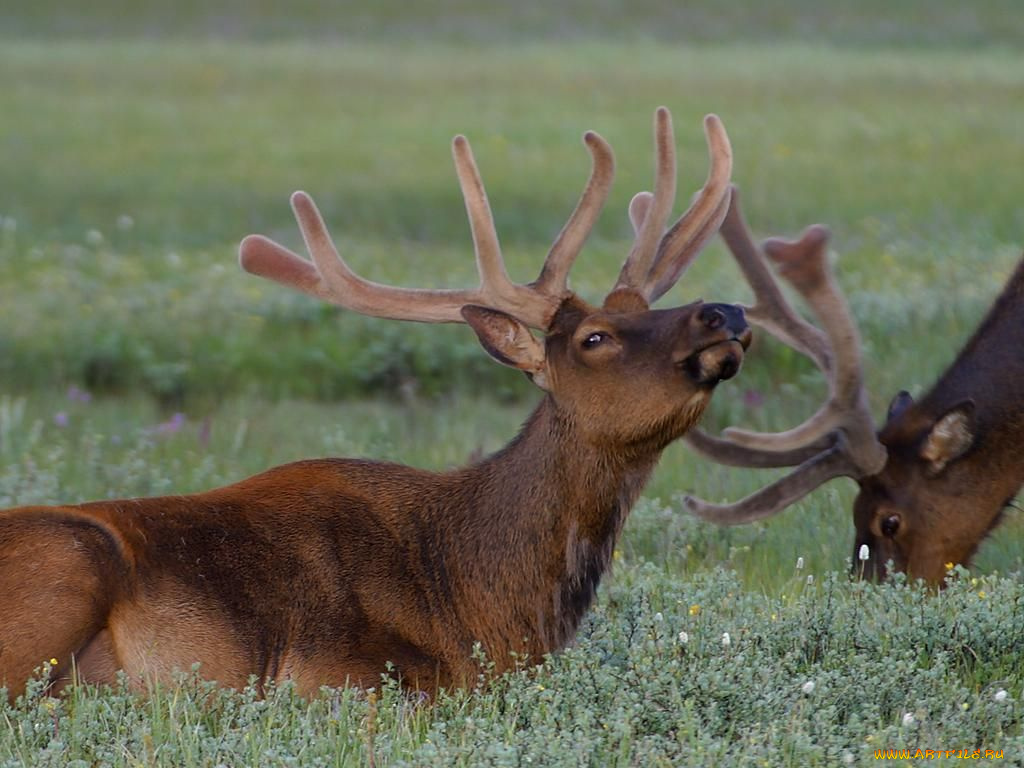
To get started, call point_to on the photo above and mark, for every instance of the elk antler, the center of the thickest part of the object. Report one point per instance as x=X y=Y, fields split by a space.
x=839 y=439
x=328 y=277
x=658 y=258
x=654 y=263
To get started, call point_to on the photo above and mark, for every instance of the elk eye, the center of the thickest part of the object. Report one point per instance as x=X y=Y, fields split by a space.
x=594 y=339
x=890 y=525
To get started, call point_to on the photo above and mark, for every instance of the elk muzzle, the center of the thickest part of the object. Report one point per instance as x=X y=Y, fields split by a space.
x=728 y=338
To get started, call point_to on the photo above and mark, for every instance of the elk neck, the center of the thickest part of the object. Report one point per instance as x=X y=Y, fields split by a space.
x=541 y=521
x=990 y=370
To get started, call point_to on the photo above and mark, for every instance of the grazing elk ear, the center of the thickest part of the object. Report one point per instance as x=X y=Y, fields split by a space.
x=949 y=437
x=899 y=404
x=508 y=341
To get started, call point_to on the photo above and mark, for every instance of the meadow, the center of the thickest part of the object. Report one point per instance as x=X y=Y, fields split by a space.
x=137 y=148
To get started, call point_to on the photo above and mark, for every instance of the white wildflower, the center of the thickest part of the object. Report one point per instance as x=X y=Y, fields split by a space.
x=799 y=563
x=864 y=553
x=1000 y=695
x=810 y=579
x=94 y=237
x=125 y=222
x=658 y=616
x=726 y=640
x=908 y=719
x=808 y=687
x=684 y=638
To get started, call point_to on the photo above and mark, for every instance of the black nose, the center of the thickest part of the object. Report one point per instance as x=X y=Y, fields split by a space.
x=728 y=316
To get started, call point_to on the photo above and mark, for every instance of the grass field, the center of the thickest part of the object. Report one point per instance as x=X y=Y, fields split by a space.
x=137 y=147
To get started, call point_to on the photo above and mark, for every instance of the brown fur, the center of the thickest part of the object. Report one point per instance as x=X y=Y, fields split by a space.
x=954 y=458
x=325 y=571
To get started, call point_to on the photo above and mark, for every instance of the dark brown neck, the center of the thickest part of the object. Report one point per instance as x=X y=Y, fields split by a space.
x=990 y=368
x=545 y=514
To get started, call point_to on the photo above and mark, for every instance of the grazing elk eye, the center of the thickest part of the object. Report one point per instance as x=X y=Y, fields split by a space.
x=594 y=339
x=890 y=525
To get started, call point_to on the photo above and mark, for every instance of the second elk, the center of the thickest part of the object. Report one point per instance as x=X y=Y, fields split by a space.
x=935 y=479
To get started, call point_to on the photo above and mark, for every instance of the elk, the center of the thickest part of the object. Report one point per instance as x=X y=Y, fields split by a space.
x=336 y=571
x=934 y=480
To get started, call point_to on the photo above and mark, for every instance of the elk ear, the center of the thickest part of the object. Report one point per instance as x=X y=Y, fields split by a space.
x=899 y=404
x=508 y=341
x=950 y=437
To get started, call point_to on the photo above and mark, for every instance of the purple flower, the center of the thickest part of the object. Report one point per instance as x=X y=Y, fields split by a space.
x=172 y=425
x=60 y=418
x=753 y=399
x=77 y=395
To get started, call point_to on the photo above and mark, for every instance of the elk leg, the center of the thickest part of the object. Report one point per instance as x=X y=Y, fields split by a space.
x=55 y=592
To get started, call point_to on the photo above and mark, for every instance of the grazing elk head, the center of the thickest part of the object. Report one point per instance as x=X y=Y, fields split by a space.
x=625 y=372
x=934 y=480
x=921 y=512
x=954 y=459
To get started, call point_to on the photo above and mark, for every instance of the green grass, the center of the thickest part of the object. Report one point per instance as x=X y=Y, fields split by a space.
x=138 y=146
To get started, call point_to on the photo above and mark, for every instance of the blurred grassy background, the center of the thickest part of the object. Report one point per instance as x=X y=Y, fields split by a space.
x=141 y=141
x=865 y=23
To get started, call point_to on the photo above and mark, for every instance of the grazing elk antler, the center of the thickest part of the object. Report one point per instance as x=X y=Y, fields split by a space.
x=334 y=571
x=839 y=439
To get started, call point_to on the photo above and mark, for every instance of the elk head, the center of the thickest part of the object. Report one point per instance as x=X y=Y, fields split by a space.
x=921 y=511
x=626 y=373
x=954 y=459
x=934 y=479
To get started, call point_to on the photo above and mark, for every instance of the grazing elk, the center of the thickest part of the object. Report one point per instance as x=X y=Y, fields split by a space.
x=324 y=572
x=937 y=476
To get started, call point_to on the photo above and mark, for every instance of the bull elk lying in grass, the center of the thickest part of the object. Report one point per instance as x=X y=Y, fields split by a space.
x=323 y=572
x=936 y=478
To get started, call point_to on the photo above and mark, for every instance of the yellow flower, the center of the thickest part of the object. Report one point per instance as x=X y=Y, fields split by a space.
x=949 y=566
x=694 y=609
x=53 y=662
x=981 y=593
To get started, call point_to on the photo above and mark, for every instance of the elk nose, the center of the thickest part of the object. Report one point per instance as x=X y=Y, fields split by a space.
x=712 y=316
x=725 y=316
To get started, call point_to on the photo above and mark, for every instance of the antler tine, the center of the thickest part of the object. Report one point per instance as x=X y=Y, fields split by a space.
x=731 y=454
x=554 y=275
x=637 y=265
x=261 y=256
x=329 y=278
x=772 y=499
x=493 y=277
x=770 y=310
x=691 y=232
